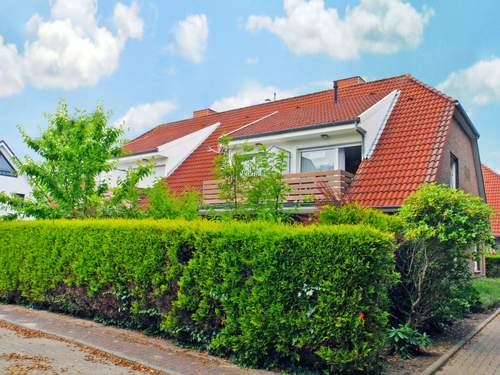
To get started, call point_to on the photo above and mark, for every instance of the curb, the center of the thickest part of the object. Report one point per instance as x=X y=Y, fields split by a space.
x=432 y=369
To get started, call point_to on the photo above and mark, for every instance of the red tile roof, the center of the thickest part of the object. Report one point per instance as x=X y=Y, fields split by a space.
x=312 y=115
x=407 y=154
x=492 y=189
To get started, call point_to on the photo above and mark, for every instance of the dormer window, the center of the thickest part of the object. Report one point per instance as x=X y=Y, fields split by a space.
x=453 y=171
x=6 y=169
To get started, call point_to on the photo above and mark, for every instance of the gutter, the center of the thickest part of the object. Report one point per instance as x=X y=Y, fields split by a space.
x=475 y=147
x=354 y=121
x=467 y=118
x=145 y=152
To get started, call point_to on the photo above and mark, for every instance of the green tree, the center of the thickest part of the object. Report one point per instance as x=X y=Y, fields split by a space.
x=267 y=187
x=75 y=151
x=231 y=168
x=162 y=203
x=441 y=226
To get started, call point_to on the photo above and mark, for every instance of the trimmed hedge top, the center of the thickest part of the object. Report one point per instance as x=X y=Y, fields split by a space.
x=267 y=295
x=354 y=214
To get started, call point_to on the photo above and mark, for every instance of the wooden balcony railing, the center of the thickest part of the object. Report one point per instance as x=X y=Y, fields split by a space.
x=322 y=187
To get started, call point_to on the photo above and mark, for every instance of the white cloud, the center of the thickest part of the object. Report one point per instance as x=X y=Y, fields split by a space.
x=147 y=115
x=11 y=77
x=191 y=35
x=252 y=93
x=127 y=21
x=70 y=49
x=372 y=26
x=478 y=84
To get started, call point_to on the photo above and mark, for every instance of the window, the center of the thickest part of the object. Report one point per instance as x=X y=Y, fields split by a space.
x=352 y=157
x=317 y=160
x=477 y=261
x=6 y=168
x=453 y=171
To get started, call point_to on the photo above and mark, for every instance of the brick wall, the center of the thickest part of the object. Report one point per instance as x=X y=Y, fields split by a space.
x=460 y=145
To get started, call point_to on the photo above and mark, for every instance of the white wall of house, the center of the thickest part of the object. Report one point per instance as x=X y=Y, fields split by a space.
x=374 y=119
x=319 y=139
x=10 y=181
x=166 y=157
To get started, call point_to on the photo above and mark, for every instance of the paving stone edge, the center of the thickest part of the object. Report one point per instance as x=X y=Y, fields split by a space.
x=441 y=361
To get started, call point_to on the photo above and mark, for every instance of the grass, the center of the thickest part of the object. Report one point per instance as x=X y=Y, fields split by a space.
x=489 y=291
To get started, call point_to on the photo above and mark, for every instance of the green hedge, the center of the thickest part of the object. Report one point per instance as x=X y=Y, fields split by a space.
x=493 y=265
x=265 y=295
x=354 y=214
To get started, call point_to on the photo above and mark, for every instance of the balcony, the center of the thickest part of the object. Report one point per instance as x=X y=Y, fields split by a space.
x=308 y=190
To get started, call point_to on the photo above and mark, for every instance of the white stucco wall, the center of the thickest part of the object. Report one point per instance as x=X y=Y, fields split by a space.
x=296 y=142
x=373 y=121
x=12 y=184
x=166 y=158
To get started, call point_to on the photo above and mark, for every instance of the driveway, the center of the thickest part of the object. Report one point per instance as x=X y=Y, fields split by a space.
x=480 y=356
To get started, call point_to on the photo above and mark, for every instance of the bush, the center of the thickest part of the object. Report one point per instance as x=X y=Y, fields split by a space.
x=489 y=291
x=354 y=214
x=440 y=226
x=406 y=341
x=308 y=296
x=162 y=203
x=264 y=294
x=493 y=265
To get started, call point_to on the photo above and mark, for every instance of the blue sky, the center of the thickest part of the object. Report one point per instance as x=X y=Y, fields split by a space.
x=156 y=61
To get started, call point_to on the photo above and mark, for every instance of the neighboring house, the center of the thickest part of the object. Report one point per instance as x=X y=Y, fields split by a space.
x=492 y=188
x=392 y=134
x=10 y=181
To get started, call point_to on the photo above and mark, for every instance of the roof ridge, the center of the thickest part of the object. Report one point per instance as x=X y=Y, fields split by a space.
x=489 y=169
x=431 y=88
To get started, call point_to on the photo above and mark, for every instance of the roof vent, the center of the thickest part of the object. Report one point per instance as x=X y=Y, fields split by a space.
x=203 y=112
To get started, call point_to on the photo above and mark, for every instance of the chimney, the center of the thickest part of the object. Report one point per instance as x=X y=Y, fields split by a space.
x=345 y=82
x=335 y=91
x=203 y=112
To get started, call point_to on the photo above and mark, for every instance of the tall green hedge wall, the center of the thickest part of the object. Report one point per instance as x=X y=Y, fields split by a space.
x=493 y=265
x=265 y=295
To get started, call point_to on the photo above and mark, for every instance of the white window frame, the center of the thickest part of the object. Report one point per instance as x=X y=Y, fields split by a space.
x=476 y=263
x=334 y=148
x=454 y=177
x=339 y=161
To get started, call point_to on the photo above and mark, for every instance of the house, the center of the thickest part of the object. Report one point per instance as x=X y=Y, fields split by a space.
x=372 y=143
x=492 y=188
x=10 y=181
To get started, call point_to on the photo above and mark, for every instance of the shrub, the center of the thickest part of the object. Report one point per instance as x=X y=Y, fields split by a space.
x=264 y=294
x=406 y=341
x=493 y=265
x=489 y=291
x=440 y=225
x=310 y=296
x=354 y=214
x=162 y=203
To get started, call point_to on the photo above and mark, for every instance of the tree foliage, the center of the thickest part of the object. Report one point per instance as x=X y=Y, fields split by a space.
x=441 y=226
x=74 y=152
x=253 y=182
x=162 y=203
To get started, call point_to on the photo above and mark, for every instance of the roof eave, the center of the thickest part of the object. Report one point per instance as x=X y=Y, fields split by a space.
x=354 y=121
